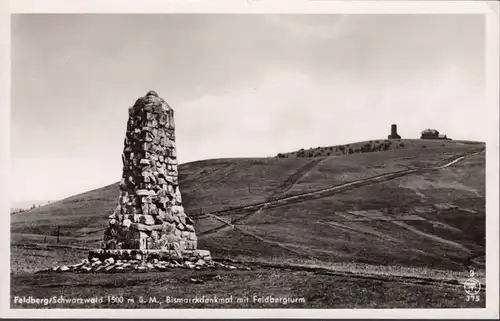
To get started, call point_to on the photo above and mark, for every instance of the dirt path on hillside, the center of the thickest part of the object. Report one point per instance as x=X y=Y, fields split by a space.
x=294 y=178
x=283 y=188
x=343 y=187
x=339 y=188
x=277 y=193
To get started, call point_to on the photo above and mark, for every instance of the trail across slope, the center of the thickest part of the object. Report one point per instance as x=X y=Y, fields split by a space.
x=342 y=187
x=276 y=195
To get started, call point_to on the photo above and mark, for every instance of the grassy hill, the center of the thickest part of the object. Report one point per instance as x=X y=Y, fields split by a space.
x=306 y=227
x=387 y=212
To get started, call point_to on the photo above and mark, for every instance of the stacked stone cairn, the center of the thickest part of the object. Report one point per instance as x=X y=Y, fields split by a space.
x=150 y=215
x=148 y=230
x=149 y=222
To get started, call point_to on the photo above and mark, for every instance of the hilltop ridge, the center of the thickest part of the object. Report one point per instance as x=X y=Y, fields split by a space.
x=375 y=145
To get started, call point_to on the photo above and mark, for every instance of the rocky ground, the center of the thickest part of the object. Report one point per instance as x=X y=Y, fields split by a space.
x=110 y=265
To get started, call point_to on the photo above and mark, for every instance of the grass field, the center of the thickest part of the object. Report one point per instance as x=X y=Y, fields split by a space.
x=430 y=223
x=317 y=290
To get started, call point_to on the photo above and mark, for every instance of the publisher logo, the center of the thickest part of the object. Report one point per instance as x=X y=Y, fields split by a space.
x=472 y=286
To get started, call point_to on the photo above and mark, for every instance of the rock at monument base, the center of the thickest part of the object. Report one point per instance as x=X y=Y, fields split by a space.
x=149 y=255
x=104 y=262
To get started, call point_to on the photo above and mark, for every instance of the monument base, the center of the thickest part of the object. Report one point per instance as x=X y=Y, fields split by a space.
x=150 y=255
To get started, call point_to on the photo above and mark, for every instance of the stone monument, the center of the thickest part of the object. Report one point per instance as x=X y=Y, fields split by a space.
x=149 y=220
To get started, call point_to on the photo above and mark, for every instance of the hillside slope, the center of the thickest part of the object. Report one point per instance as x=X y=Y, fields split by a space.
x=430 y=218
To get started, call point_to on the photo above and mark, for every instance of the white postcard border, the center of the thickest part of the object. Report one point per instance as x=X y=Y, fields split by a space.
x=490 y=10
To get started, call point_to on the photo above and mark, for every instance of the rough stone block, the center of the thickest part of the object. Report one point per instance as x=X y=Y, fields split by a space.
x=145 y=219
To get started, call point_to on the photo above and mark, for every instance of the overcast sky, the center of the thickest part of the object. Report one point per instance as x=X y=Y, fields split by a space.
x=240 y=85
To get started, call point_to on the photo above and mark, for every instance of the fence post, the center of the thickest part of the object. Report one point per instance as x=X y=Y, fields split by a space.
x=58 y=230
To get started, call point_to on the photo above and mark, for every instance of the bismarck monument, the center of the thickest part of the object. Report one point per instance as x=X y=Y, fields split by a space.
x=149 y=221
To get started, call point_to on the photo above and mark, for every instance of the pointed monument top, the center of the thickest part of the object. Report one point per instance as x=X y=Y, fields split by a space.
x=152 y=93
x=151 y=100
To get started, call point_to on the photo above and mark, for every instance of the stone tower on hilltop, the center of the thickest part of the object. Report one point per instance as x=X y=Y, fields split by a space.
x=150 y=215
x=394 y=132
